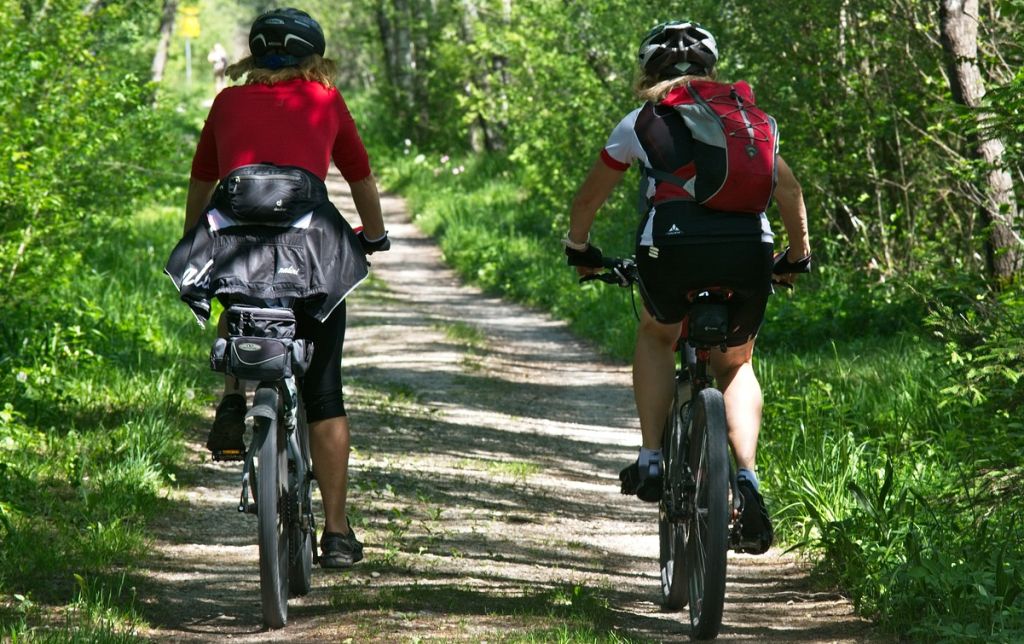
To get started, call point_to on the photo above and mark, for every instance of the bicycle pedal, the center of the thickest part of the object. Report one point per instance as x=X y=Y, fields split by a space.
x=228 y=455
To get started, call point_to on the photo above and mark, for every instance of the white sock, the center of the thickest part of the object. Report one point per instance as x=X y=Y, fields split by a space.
x=744 y=473
x=650 y=461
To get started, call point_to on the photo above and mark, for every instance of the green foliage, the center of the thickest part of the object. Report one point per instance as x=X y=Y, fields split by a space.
x=92 y=385
x=887 y=159
x=98 y=379
x=900 y=487
x=96 y=616
x=81 y=139
x=984 y=345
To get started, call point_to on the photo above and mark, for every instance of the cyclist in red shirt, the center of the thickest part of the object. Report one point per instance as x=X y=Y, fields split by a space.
x=288 y=113
x=682 y=245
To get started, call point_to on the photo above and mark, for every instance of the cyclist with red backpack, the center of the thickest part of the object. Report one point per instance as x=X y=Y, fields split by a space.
x=710 y=167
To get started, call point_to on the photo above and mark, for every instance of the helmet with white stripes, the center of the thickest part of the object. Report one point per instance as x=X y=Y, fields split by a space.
x=677 y=48
x=286 y=32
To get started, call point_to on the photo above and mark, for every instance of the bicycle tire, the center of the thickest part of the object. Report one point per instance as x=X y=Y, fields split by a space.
x=708 y=541
x=271 y=511
x=675 y=590
x=300 y=540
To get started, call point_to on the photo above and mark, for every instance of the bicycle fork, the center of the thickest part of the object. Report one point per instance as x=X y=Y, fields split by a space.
x=300 y=493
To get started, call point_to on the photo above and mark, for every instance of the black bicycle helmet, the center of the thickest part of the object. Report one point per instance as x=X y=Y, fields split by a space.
x=286 y=32
x=678 y=48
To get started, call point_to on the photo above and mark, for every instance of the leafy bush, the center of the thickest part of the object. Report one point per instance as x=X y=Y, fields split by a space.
x=93 y=383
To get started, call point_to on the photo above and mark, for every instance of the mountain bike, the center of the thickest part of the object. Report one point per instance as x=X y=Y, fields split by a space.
x=277 y=470
x=699 y=510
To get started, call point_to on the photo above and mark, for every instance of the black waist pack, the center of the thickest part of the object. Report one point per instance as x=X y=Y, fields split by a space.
x=268 y=193
x=261 y=345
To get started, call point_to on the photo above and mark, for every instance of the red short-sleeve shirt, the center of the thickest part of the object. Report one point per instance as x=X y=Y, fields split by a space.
x=296 y=122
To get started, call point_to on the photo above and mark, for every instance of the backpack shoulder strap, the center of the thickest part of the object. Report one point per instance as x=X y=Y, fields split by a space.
x=661 y=175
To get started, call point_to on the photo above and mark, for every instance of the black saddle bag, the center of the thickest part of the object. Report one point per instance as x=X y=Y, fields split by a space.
x=268 y=193
x=261 y=345
x=709 y=324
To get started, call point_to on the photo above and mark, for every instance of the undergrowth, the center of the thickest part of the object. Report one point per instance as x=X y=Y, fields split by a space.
x=99 y=379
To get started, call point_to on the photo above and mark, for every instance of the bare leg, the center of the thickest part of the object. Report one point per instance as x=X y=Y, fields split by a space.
x=329 y=443
x=653 y=370
x=734 y=373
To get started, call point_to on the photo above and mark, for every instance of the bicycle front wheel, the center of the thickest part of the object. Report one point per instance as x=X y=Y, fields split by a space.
x=675 y=591
x=708 y=541
x=271 y=510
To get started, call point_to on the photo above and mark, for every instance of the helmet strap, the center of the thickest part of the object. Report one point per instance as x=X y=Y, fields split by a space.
x=276 y=60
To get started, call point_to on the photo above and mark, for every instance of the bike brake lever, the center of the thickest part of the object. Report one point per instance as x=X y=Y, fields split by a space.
x=621 y=277
x=604 y=277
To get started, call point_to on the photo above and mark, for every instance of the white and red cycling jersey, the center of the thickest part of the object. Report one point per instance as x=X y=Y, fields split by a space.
x=656 y=136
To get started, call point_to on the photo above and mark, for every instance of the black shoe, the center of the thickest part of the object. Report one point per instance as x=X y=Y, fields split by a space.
x=226 y=441
x=647 y=488
x=756 y=534
x=340 y=550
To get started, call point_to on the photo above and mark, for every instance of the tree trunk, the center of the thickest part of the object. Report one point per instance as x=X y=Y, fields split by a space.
x=164 y=44
x=393 y=19
x=478 y=126
x=959 y=23
x=486 y=131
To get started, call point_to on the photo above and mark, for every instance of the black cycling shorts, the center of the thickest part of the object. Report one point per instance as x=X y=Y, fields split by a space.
x=321 y=386
x=743 y=266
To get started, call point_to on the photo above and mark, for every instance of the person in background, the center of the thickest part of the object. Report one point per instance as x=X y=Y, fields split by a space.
x=218 y=57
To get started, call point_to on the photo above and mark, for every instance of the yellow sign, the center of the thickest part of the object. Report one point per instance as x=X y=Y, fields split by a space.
x=188 y=21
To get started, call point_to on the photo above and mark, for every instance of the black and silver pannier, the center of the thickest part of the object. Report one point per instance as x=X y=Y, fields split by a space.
x=261 y=345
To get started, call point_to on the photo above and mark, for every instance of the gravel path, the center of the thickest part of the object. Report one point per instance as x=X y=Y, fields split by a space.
x=487 y=441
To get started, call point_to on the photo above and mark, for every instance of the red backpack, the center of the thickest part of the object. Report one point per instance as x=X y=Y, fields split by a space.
x=735 y=145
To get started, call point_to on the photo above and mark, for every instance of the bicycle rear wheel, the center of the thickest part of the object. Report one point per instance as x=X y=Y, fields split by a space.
x=272 y=514
x=300 y=515
x=708 y=541
x=672 y=525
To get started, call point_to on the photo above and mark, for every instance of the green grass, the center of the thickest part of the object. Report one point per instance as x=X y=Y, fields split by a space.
x=516 y=469
x=465 y=334
x=101 y=613
x=104 y=374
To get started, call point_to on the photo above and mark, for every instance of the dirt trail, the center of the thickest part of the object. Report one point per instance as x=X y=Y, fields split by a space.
x=484 y=484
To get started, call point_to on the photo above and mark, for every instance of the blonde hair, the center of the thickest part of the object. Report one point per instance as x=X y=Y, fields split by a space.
x=649 y=88
x=312 y=68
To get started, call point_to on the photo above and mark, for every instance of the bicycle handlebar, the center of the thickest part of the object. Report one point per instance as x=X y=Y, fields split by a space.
x=621 y=271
